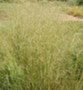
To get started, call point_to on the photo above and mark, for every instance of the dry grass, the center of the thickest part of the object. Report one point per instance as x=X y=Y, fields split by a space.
x=76 y=11
x=38 y=51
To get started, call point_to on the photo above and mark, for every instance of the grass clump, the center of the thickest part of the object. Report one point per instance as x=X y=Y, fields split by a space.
x=76 y=11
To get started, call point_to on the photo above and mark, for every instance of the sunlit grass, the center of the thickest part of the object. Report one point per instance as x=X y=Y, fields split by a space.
x=38 y=51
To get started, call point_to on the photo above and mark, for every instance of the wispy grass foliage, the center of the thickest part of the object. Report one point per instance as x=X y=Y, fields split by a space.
x=38 y=51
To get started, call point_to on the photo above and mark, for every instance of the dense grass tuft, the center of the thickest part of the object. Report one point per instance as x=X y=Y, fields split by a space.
x=76 y=11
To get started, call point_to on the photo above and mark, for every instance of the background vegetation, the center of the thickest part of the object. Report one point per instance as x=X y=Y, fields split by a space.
x=78 y=2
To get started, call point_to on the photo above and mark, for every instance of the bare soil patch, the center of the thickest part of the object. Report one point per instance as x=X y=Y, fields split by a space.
x=65 y=17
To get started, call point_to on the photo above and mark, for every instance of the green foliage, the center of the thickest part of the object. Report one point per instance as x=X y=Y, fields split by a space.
x=75 y=2
x=79 y=2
